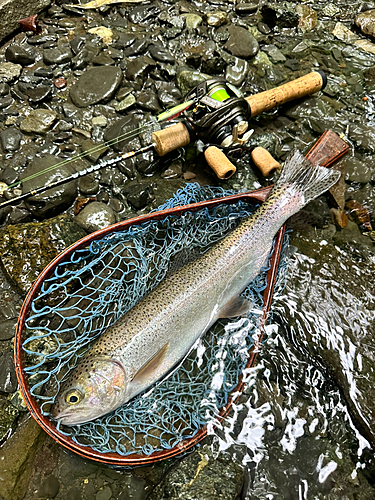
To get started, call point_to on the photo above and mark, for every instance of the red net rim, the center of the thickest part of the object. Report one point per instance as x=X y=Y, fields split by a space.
x=116 y=459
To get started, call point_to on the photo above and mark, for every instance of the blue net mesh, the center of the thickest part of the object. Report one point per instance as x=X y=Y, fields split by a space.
x=98 y=284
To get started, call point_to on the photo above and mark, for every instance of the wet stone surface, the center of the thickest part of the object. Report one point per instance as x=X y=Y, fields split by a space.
x=81 y=77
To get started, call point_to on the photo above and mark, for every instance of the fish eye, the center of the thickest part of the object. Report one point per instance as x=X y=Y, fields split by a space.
x=73 y=397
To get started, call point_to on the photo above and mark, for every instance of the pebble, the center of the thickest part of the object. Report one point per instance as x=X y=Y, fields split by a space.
x=137 y=67
x=241 y=43
x=99 y=121
x=8 y=379
x=9 y=175
x=236 y=72
x=49 y=488
x=58 y=55
x=192 y=21
x=87 y=91
x=169 y=95
x=366 y=22
x=160 y=53
x=10 y=139
x=4 y=89
x=142 y=13
x=246 y=7
x=38 y=94
x=38 y=121
x=147 y=99
x=125 y=103
x=59 y=83
x=95 y=216
x=9 y=71
x=104 y=494
x=19 y=55
x=6 y=101
x=138 y=196
x=88 y=184
x=217 y=18
x=7 y=329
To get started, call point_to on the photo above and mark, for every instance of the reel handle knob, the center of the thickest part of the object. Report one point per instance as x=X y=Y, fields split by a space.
x=170 y=138
x=219 y=163
x=264 y=161
x=301 y=87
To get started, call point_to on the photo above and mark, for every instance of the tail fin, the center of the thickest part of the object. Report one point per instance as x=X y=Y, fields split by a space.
x=306 y=178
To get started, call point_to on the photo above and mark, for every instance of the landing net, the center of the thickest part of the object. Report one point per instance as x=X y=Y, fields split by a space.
x=87 y=294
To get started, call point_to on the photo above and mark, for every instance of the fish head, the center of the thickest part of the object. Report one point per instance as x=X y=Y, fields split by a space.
x=96 y=387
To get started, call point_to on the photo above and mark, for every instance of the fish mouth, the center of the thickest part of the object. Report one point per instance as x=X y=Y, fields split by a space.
x=68 y=417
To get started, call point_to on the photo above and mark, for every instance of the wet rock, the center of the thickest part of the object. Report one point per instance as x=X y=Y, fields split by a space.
x=6 y=101
x=169 y=95
x=125 y=103
x=147 y=99
x=274 y=53
x=103 y=60
x=54 y=200
x=8 y=419
x=104 y=494
x=192 y=21
x=343 y=33
x=9 y=71
x=25 y=249
x=308 y=18
x=318 y=114
x=7 y=328
x=44 y=38
x=119 y=128
x=137 y=67
x=246 y=7
x=160 y=53
x=11 y=12
x=236 y=72
x=366 y=22
x=138 y=196
x=19 y=55
x=4 y=89
x=241 y=43
x=363 y=136
x=216 y=18
x=357 y=170
x=143 y=13
x=49 y=488
x=38 y=94
x=38 y=121
x=87 y=91
x=137 y=48
x=8 y=379
x=94 y=216
x=351 y=234
x=201 y=476
x=17 y=459
x=58 y=55
x=187 y=80
x=10 y=139
x=282 y=15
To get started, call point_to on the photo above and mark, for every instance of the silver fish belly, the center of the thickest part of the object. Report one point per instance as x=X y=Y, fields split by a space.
x=151 y=338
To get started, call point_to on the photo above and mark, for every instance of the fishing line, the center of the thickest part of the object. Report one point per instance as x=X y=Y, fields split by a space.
x=127 y=135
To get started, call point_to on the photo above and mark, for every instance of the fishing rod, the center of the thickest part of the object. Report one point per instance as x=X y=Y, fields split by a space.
x=215 y=112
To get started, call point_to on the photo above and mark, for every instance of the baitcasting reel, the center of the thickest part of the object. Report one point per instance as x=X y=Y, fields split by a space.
x=221 y=114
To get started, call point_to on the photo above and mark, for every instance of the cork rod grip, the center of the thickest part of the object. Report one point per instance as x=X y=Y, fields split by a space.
x=264 y=161
x=219 y=163
x=301 y=87
x=170 y=138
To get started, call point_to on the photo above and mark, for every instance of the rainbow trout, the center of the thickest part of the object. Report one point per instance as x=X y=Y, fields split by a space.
x=153 y=336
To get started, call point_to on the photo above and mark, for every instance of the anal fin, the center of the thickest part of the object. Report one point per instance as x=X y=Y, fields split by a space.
x=237 y=306
x=149 y=367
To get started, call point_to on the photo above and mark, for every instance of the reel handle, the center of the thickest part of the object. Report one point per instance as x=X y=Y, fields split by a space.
x=301 y=87
x=219 y=163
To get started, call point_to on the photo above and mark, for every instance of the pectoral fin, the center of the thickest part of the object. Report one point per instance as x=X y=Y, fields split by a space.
x=151 y=365
x=238 y=306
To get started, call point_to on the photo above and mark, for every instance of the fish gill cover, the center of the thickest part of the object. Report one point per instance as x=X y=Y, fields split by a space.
x=102 y=282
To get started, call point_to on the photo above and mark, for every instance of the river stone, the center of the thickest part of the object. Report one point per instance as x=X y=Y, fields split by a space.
x=49 y=488
x=282 y=15
x=57 y=55
x=9 y=71
x=138 y=66
x=187 y=80
x=200 y=476
x=138 y=195
x=363 y=136
x=12 y=11
x=216 y=18
x=10 y=139
x=94 y=216
x=88 y=91
x=125 y=103
x=17 y=459
x=8 y=379
x=26 y=249
x=237 y=71
x=38 y=121
x=356 y=170
x=160 y=53
x=19 y=55
x=241 y=43
x=54 y=200
x=366 y=22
